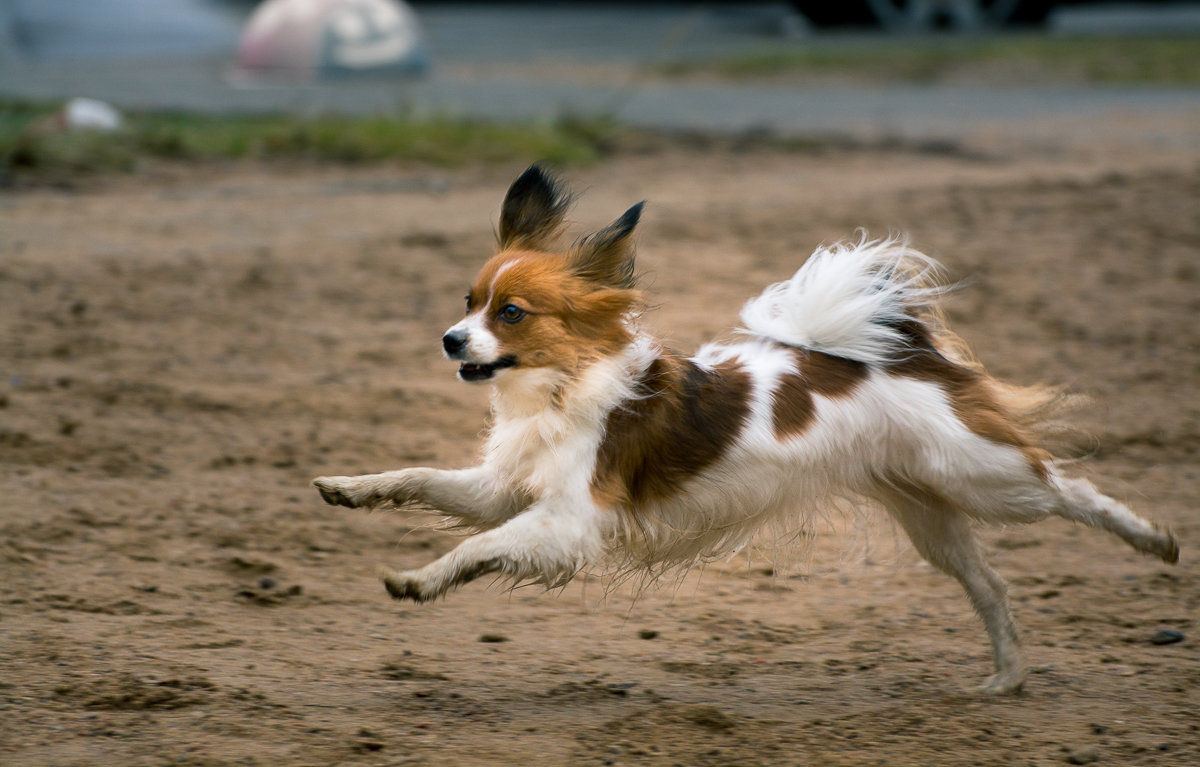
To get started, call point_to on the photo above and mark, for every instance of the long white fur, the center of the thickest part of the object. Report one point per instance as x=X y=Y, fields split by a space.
x=847 y=298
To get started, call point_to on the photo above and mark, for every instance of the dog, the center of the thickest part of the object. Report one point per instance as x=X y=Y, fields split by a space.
x=606 y=446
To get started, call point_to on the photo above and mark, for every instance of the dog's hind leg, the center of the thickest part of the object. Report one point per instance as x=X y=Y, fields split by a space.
x=942 y=534
x=1082 y=502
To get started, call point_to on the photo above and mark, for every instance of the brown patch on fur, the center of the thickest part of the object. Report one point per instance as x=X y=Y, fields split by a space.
x=684 y=419
x=568 y=321
x=606 y=257
x=793 y=410
x=976 y=401
x=920 y=336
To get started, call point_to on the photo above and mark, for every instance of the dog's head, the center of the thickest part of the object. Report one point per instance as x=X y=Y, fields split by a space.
x=535 y=307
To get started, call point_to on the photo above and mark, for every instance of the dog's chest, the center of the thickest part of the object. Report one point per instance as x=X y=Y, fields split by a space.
x=547 y=429
x=546 y=454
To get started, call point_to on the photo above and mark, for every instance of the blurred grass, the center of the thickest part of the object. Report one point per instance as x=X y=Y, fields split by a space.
x=32 y=148
x=1022 y=59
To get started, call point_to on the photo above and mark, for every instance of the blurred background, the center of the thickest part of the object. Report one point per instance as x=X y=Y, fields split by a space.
x=58 y=30
x=673 y=65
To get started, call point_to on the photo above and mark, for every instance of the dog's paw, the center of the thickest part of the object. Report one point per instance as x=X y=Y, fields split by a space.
x=1004 y=683
x=406 y=586
x=334 y=492
x=1170 y=549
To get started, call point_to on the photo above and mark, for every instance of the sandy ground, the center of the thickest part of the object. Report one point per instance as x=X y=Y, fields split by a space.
x=182 y=351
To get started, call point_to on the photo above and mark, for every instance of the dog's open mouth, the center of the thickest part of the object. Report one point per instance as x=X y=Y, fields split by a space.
x=470 y=371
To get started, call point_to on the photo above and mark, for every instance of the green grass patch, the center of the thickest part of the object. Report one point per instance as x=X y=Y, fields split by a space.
x=1020 y=59
x=30 y=146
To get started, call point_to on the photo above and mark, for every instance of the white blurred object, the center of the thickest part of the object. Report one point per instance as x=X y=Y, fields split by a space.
x=89 y=114
x=332 y=38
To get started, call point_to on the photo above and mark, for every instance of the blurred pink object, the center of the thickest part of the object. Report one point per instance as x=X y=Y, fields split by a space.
x=304 y=39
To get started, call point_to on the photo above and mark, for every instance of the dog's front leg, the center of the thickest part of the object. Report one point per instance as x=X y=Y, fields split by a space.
x=548 y=543
x=474 y=495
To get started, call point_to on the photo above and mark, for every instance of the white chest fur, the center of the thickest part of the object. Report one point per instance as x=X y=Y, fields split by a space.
x=548 y=426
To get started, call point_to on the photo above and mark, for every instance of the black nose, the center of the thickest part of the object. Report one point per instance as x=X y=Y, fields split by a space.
x=454 y=342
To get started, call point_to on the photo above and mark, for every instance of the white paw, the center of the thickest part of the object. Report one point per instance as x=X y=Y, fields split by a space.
x=338 y=491
x=1004 y=683
x=1170 y=549
x=407 y=585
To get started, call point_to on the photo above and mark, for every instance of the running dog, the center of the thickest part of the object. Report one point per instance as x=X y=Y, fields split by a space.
x=605 y=446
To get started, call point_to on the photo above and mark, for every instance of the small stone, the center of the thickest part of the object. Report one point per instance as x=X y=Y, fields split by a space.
x=709 y=717
x=1083 y=756
x=266 y=582
x=647 y=634
x=1166 y=636
x=367 y=746
x=493 y=638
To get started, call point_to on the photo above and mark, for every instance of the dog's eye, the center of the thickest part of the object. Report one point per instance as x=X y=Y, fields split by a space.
x=468 y=300
x=511 y=313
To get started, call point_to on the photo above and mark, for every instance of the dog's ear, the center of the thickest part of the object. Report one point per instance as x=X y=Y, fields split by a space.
x=606 y=257
x=533 y=210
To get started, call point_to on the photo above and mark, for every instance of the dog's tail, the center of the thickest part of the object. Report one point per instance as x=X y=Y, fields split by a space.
x=852 y=300
x=871 y=301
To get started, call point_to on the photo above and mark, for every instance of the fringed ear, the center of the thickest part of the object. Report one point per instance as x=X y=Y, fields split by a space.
x=606 y=257
x=533 y=210
x=597 y=316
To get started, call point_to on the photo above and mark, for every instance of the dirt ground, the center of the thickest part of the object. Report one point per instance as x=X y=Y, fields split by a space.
x=182 y=351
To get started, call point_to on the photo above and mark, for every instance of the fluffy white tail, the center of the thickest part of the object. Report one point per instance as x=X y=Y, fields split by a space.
x=849 y=300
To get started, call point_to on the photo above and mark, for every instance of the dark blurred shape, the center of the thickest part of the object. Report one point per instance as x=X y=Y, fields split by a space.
x=927 y=15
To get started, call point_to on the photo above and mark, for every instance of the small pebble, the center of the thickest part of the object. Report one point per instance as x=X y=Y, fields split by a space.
x=647 y=634
x=369 y=745
x=1166 y=636
x=266 y=582
x=493 y=638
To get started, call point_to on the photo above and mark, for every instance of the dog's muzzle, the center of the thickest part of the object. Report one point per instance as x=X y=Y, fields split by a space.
x=456 y=343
